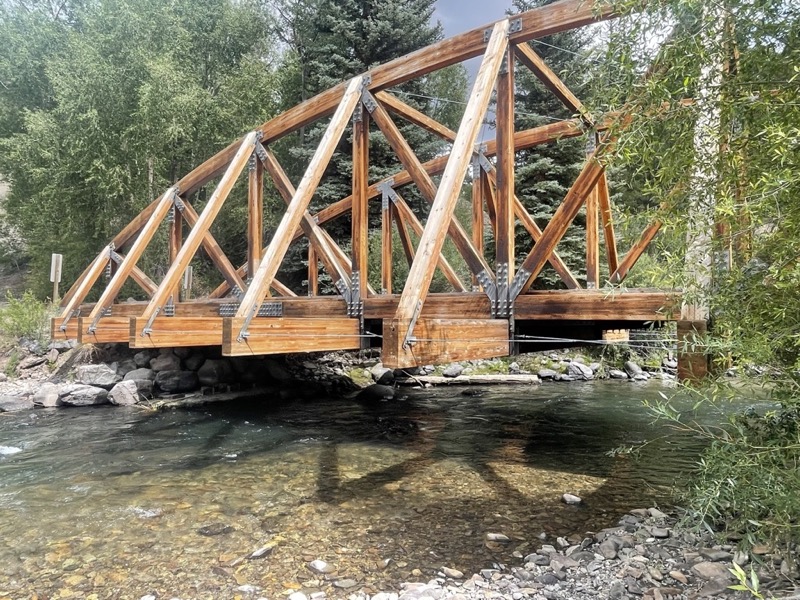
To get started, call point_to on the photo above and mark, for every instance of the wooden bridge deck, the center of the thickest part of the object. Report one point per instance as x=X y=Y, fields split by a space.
x=251 y=312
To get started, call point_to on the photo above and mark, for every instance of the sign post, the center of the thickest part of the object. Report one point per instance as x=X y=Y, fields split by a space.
x=55 y=274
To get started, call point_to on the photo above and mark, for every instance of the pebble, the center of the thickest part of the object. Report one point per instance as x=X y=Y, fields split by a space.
x=497 y=537
x=453 y=573
x=571 y=499
x=298 y=596
x=320 y=566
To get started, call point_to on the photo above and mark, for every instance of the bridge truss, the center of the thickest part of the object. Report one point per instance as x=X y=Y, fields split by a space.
x=253 y=313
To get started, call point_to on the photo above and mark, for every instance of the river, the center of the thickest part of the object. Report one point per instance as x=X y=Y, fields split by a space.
x=114 y=502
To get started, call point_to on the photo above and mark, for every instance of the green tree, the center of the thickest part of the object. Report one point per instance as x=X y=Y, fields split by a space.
x=131 y=95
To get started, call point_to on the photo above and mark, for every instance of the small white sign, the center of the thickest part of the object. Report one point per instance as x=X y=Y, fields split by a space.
x=55 y=268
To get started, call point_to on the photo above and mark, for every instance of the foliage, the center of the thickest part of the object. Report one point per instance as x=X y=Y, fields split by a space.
x=746 y=585
x=104 y=105
x=725 y=164
x=24 y=317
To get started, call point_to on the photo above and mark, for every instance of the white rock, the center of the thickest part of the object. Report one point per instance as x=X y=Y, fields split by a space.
x=298 y=596
x=571 y=499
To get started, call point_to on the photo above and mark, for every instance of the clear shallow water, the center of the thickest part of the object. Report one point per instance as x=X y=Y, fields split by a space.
x=108 y=501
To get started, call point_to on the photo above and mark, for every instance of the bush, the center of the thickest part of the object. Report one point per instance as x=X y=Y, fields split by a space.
x=24 y=317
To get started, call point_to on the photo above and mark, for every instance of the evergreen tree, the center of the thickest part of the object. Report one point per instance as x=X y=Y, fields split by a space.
x=545 y=173
x=333 y=40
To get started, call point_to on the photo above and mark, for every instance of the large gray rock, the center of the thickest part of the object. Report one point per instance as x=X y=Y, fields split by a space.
x=382 y=375
x=375 y=393
x=214 y=371
x=97 y=375
x=579 y=371
x=547 y=374
x=144 y=387
x=14 y=403
x=194 y=362
x=177 y=381
x=165 y=362
x=125 y=367
x=79 y=394
x=632 y=369
x=142 y=359
x=31 y=361
x=125 y=393
x=617 y=374
x=47 y=396
x=453 y=370
x=138 y=374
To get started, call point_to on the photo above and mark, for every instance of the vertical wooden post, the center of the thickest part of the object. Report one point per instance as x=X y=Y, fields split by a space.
x=692 y=359
x=477 y=211
x=504 y=242
x=592 y=240
x=255 y=214
x=175 y=243
x=386 y=244
x=610 y=237
x=360 y=213
x=313 y=271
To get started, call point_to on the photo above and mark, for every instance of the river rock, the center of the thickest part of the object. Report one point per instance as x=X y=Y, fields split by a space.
x=659 y=532
x=632 y=369
x=213 y=529
x=142 y=359
x=165 y=362
x=176 y=381
x=579 y=371
x=60 y=345
x=655 y=513
x=214 y=372
x=52 y=355
x=453 y=370
x=711 y=570
x=375 y=393
x=617 y=374
x=78 y=394
x=125 y=393
x=716 y=555
x=570 y=499
x=321 y=567
x=47 y=396
x=194 y=362
x=138 y=374
x=547 y=374
x=30 y=362
x=382 y=375
x=182 y=352
x=608 y=549
x=15 y=403
x=100 y=375
x=452 y=573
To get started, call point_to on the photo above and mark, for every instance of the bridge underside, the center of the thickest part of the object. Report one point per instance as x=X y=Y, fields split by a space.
x=491 y=310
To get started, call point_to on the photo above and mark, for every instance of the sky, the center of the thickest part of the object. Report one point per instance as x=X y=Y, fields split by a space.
x=458 y=16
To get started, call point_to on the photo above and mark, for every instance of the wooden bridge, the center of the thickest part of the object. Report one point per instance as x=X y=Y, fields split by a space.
x=252 y=313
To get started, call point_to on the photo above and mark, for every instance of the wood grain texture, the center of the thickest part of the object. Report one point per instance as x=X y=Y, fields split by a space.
x=255 y=215
x=276 y=251
x=477 y=212
x=174 y=332
x=506 y=154
x=70 y=331
x=387 y=254
x=607 y=219
x=313 y=272
x=592 y=239
x=287 y=336
x=442 y=341
x=109 y=330
x=596 y=305
x=91 y=276
x=360 y=212
x=440 y=217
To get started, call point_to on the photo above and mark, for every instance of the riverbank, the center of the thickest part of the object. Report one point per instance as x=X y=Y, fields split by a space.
x=63 y=374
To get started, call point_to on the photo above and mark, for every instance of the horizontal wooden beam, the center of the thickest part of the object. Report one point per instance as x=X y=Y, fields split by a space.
x=173 y=332
x=288 y=336
x=108 y=330
x=439 y=341
x=596 y=305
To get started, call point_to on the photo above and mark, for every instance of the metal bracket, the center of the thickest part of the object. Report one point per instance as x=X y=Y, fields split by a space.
x=410 y=339
x=357 y=115
x=251 y=162
x=514 y=26
x=237 y=292
x=369 y=101
x=591 y=144
x=487 y=35
x=171 y=214
x=169 y=309
x=355 y=305
x=267 y=309
x=179 y=204
x=261 y=152
x=486 y=164
x=384 y=201
x=107 y=271
x=366 y=81
x=244 y=333
x=502 y=304
x=148 y=328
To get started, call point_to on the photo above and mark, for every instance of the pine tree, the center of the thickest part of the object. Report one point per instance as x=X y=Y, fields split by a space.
x=545 y=173
x=333 y=40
